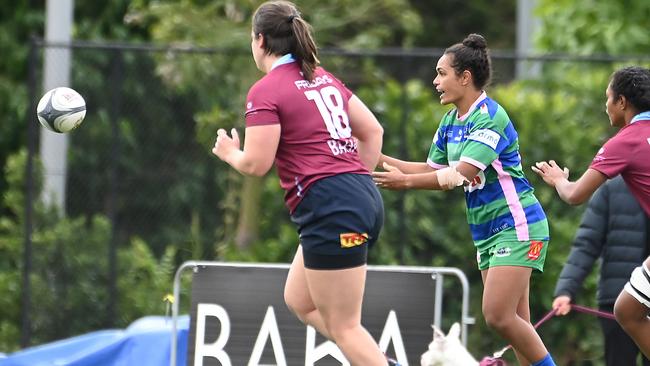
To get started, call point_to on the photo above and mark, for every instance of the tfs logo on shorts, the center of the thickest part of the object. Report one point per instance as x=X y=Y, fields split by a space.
x=349 y=240
x=535 y=249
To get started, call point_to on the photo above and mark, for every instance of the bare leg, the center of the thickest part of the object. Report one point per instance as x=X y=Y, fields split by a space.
x=523 y=310
x=338 y=295
x=298 y=299
x=505 y=300
x=633 y=317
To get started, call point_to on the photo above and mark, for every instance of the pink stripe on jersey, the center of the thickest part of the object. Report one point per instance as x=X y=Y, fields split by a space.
x=476 y=163
x=516 y=209
x=472 y=107
x=435 y=165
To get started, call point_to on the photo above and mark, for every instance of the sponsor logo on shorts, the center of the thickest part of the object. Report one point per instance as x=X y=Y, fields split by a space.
x=503 y=252
x=349 y=240
x=535 y=249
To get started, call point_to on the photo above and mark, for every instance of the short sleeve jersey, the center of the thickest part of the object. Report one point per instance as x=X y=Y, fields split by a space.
x=316 y=138
x=628 y=154
x=501 y=205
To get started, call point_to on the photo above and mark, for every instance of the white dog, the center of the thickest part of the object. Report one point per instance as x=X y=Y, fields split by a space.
x=447 y=350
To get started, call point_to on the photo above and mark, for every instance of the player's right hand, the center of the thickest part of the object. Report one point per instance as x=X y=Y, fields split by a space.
x=225 y=145
x=550 y=172
x=391 y=178
x=562 y=305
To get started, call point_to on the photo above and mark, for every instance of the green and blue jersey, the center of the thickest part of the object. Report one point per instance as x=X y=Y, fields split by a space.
x=501 y=205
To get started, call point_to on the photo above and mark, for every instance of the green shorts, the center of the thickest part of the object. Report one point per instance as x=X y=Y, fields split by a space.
x=530 y=253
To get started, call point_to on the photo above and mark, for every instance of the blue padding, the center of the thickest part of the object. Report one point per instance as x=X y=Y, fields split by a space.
x=146 y=342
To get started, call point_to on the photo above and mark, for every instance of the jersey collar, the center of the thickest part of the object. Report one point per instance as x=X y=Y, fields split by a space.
x=472 y=107
x=641 y=116
x=286 y=59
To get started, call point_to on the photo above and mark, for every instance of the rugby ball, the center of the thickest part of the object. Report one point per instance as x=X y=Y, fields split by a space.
x=61 y=110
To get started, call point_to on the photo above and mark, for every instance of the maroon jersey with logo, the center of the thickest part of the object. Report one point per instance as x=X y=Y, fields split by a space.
x=316 y=140
x=628 y=154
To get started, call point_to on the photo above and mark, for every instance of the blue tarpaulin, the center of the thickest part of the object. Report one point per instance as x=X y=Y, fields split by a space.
x=146 y=342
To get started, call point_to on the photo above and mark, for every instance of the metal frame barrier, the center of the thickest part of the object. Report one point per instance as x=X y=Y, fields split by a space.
x=437 y=274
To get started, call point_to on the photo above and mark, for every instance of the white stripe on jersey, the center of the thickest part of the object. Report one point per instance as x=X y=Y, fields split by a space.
x=639 y=285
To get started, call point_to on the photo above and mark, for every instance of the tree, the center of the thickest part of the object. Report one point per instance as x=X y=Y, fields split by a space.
x=69 y=277
x=19 y=22
x=594 y=27
x=447 y=22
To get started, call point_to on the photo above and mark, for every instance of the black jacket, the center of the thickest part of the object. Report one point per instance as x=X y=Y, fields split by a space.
x=613 y=228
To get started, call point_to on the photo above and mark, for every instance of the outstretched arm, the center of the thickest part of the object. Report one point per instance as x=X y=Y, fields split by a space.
x=573 y=193
x=407 y=167
x=442 y=179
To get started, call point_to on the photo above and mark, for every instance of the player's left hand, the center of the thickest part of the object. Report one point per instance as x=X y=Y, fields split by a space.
x=224 y=145
x=391 y=178
x=550 y=172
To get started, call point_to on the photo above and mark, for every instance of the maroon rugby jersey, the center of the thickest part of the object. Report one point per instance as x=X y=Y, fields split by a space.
x=628 y=154
x=316 y=140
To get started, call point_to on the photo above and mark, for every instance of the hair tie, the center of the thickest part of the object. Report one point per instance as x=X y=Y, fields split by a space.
x=291 y=18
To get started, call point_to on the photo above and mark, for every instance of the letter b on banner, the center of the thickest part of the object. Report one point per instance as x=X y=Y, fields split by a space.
x=214 y=350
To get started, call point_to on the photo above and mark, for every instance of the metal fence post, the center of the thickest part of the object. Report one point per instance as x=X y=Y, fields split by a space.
x=117 y=79
x=32 y=137
x=175 y=304
x=465 y=318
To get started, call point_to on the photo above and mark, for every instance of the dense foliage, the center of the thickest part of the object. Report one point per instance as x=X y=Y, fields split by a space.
x=587 y=28
x=69 y=277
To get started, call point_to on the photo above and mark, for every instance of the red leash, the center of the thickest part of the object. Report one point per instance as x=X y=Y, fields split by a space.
x=598 y=313
x=496 y=360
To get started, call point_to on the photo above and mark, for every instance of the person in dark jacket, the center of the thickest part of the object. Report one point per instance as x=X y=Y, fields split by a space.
x=614 y=228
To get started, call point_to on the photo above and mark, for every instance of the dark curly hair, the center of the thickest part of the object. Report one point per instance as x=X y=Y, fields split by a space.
x=632 y=82
x=472 y=54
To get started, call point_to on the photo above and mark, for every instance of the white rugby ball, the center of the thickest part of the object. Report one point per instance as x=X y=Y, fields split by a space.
x=61 y=110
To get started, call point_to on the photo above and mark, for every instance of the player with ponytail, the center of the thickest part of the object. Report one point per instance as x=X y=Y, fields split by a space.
x=477 y=142
x=324 y=142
